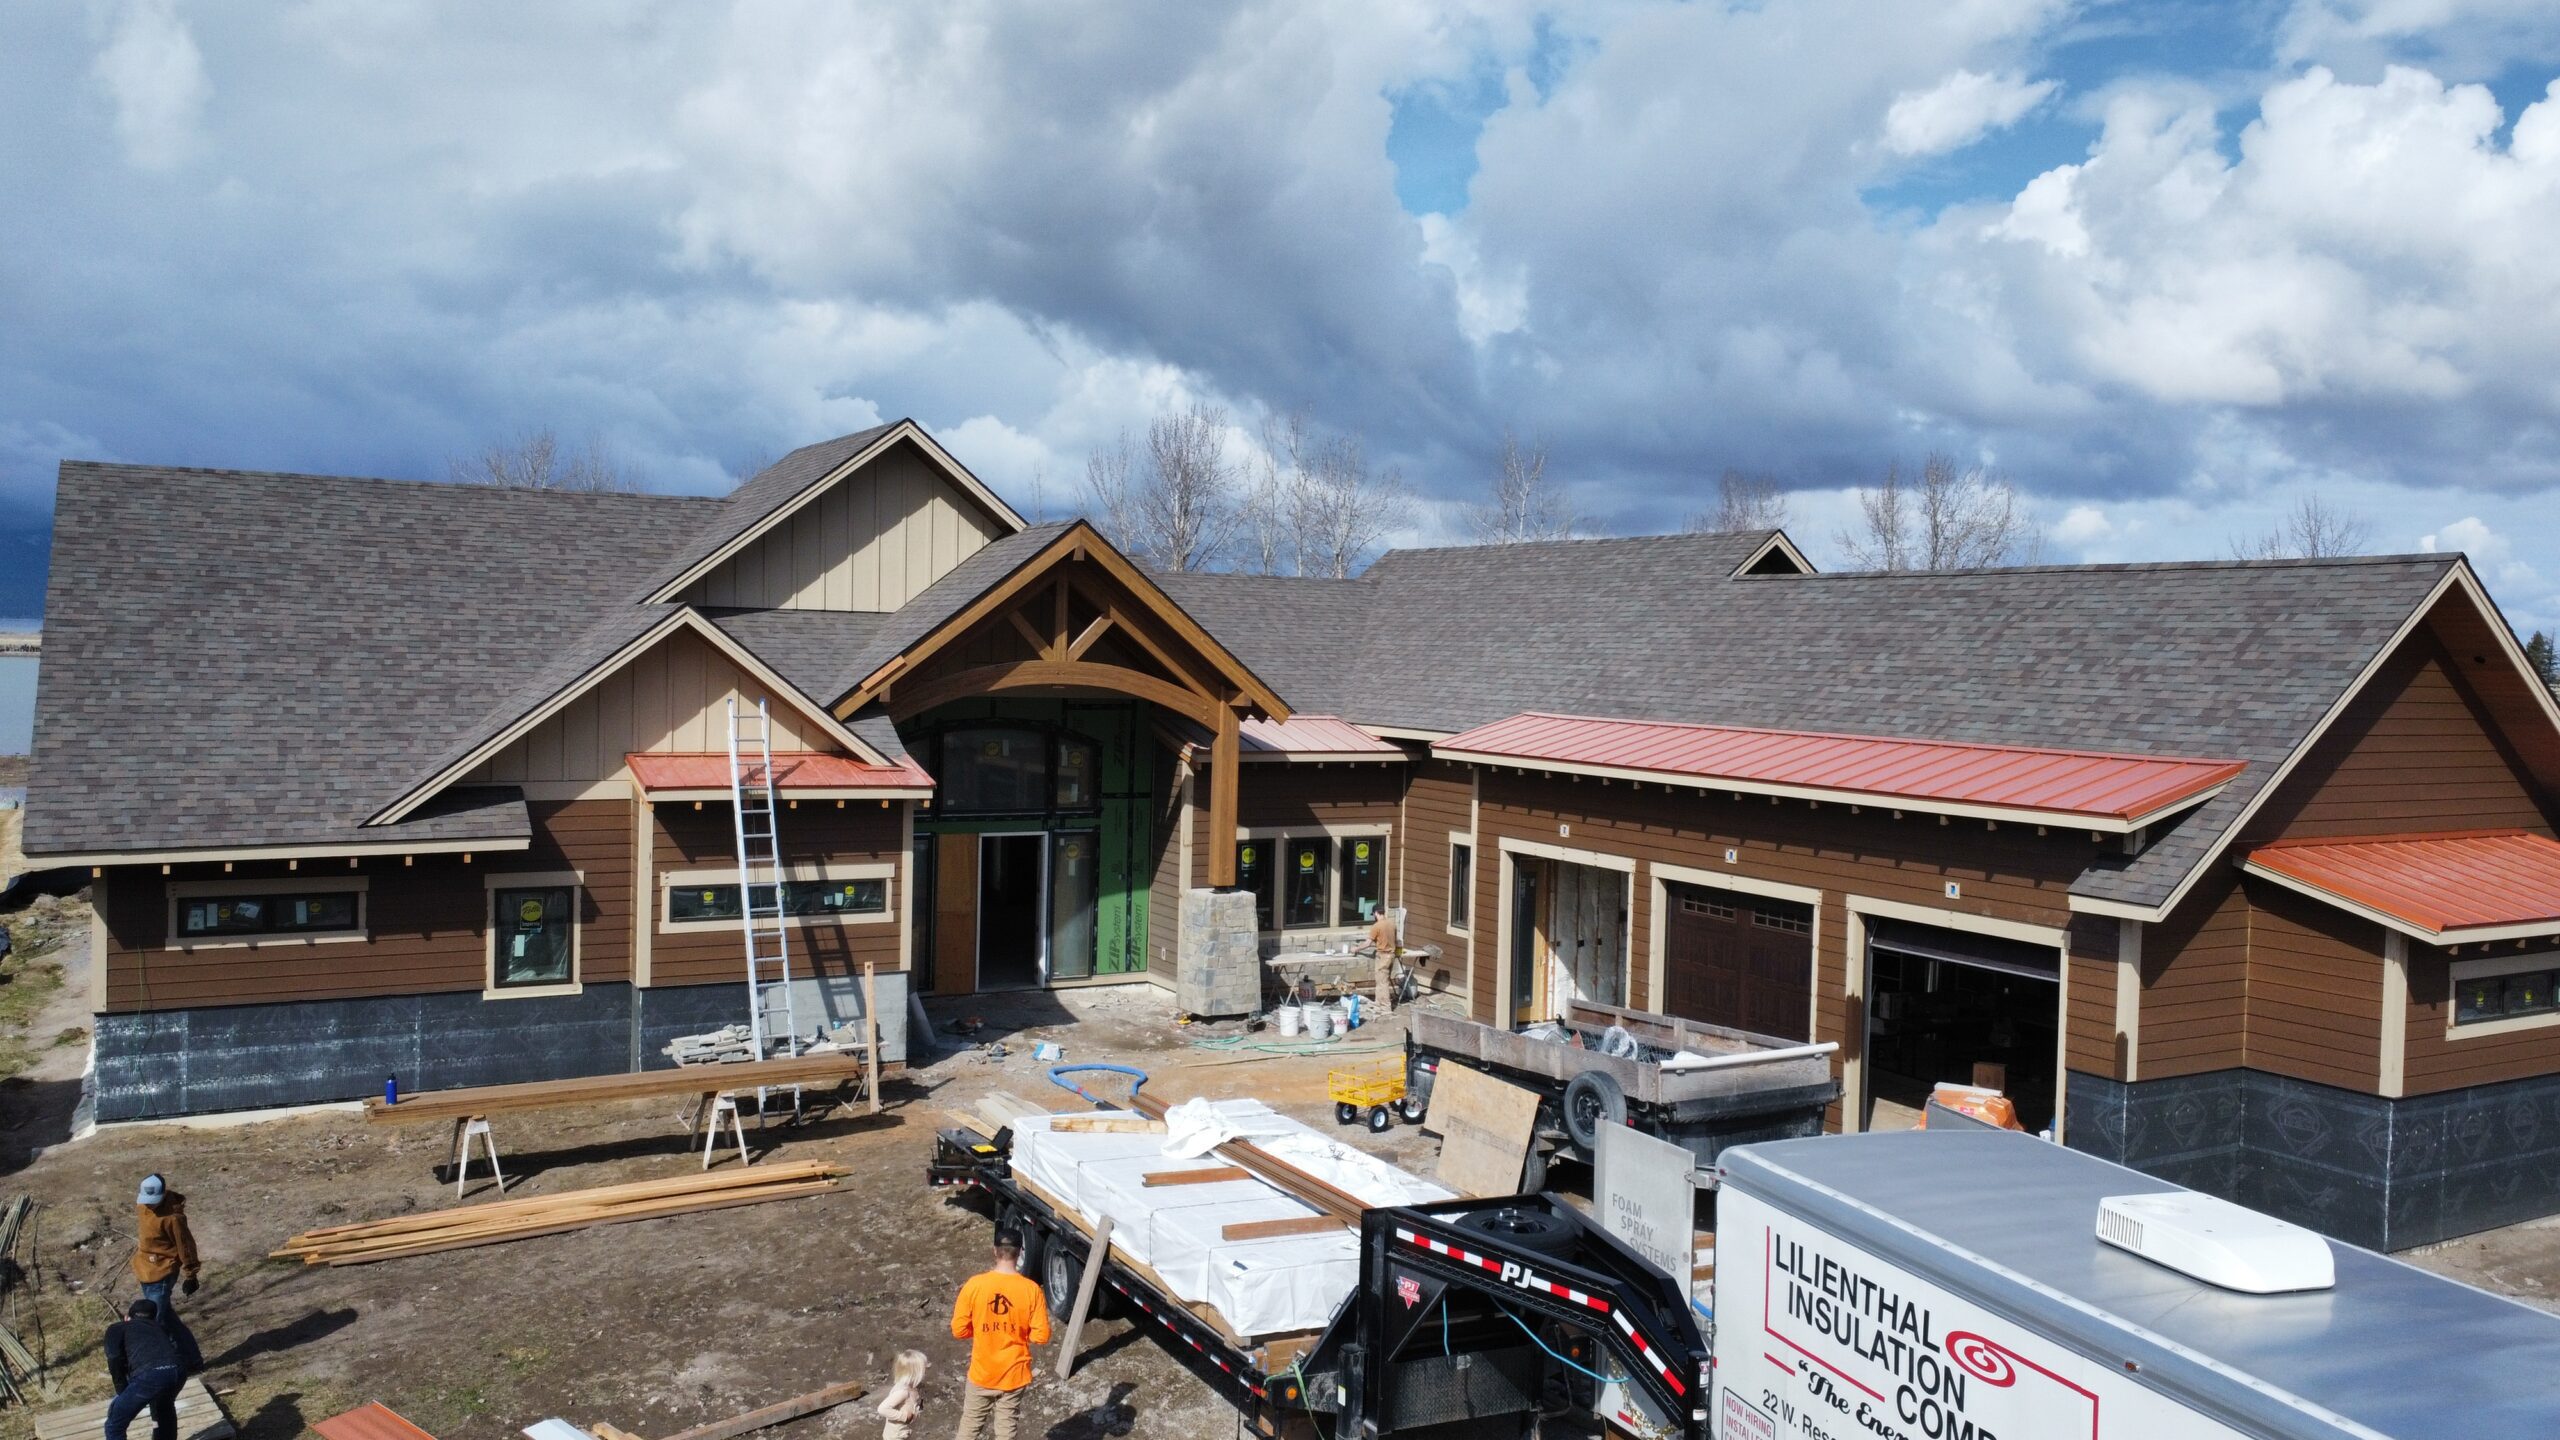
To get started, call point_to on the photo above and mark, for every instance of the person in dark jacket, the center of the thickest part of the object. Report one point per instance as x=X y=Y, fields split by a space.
x=148 y=1362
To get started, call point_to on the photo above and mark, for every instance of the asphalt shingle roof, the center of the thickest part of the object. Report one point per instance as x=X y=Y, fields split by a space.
x=242 y=658
x=2233 y=660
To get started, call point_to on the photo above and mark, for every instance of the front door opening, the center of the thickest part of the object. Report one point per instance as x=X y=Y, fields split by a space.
x=1568 y=937
x=1011 y=878
x=1943 y=1006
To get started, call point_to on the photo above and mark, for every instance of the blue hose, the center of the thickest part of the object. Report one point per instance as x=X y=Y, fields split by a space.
x=1058 y=1074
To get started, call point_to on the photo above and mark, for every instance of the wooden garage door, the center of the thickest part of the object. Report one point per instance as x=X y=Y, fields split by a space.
x=1739 y=961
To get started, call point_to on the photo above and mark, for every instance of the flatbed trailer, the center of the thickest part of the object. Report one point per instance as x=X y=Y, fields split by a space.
x=1470 y=1316
x=1741 y=1089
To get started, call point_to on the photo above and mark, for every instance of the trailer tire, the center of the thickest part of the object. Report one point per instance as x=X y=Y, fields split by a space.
x=1035 y=1240
x=1527 y=1229
x=1058 y=1280
x=1592 y=1099
x=1533 y=1170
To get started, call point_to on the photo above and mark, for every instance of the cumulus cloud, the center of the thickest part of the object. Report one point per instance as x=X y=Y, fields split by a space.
x=2083 y=525
x=1959 y=110
x=154 y=76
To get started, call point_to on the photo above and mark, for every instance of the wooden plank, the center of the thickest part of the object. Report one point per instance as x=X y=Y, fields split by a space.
x=776 y=1414
x=1107 y=1125
x=603 y=1431
x=955 y=914
x=1273 y=1229
x=871 y=1033
x=1216 y=1175
x=1486 y=1127
x=200 y=1417
x=659 y=1210
x=596 y=1089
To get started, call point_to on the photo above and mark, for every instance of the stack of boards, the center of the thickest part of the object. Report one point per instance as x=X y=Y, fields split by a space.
x=1271 y=1285
x=503 y=1220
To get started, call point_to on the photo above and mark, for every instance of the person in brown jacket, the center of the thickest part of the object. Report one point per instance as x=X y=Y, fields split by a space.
x=163 y=1247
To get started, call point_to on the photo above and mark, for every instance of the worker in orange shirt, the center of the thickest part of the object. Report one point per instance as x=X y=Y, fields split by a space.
x=1002 y=1314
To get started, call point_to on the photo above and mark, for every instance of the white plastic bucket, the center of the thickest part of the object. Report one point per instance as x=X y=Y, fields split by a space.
x=1319 y=1022
x=1289 y=1017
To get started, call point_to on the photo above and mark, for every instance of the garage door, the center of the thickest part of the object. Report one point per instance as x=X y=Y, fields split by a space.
x=1740 y=961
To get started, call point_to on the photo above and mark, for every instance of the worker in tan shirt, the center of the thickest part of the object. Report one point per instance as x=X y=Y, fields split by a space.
x=1002 y=1315
x=163 y=1247
x=1382 y=938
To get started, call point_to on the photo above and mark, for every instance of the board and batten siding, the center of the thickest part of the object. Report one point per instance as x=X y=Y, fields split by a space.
x=426 y=923
x=2006 y=874
x=671 y=698
x=812 y=833
x=873 y=541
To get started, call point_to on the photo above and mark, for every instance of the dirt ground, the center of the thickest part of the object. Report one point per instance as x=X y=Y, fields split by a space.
x=653 y=1326
x=664 y=1324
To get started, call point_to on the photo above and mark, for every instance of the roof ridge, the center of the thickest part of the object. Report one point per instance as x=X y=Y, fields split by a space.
x=1657 y=536
x=2117 y=566
x=230 y=473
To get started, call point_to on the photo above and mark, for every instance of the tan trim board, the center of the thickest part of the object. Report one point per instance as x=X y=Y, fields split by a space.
x=670 y=881
x=291 y=852
x=2395 y=1015
x=2470 y=935
x=686 y=618
x=723 y=796
x=1321 y=757
x=644 y=867
x=2129 y=995
x=490 y=989
x=1865 y=800
x=905 y=882
x=970 y=484
x=574 y=789
x=98 y=945
x=2460 y=970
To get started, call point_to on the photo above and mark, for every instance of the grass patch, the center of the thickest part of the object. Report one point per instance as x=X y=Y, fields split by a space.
x=29 y=979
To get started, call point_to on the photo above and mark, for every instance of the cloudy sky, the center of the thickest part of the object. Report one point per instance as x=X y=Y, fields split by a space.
x=2168 y=265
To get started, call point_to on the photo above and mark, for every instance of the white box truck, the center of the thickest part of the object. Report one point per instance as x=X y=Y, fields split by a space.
x=1985 y=1285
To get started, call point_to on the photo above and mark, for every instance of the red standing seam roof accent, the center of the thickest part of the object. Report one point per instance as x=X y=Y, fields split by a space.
x=1311 y=735
x=792 y=770
x=2441 y=884
x=2080 y=784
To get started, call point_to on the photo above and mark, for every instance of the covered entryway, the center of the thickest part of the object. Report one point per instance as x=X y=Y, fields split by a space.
x=1568 y=936
x=1950 y=1006
x=1741 y=961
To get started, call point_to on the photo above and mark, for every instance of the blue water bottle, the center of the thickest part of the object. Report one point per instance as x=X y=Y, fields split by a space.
x=390 y=1089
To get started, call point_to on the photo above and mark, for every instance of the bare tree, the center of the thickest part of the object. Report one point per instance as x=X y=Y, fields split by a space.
x=1523 y=505
x=1345 y=509
x=1273 y=509
x=1175 y=506
x=1743 y=502
x=755 y=463
x=536 y=460
x=1955 y=518
x=2311 y=530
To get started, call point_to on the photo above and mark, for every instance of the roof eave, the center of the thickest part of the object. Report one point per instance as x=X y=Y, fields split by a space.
x=491 y=845
x=2415 y=929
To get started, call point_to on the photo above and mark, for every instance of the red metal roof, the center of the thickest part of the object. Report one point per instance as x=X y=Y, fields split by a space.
x=1309 y=736
x=797 y=770
x=2078 y=786
x=2441 y=887
x=371 y=1421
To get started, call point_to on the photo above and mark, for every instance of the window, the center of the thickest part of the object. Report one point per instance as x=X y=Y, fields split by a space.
x=251 y=912
x=534 y=932
x=847 y=893
x=1253 y=875
x=2501 y=994
x=1364 y=880
x=1462 y=882
x=1306 y=877
x=1781 y=915
x=1016 y=770
x=1708 y=908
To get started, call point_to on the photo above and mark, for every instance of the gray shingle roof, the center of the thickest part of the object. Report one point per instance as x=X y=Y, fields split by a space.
x=2226 y=660
x=768 y=490
x=239 y=658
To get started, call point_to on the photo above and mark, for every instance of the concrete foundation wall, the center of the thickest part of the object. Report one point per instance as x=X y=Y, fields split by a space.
x=249 y=1057
x=2388 y=1174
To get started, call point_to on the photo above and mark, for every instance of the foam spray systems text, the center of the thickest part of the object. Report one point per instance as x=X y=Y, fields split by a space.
x=1893 y=1332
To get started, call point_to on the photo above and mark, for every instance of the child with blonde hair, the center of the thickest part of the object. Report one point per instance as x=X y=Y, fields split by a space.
x=906 y=1392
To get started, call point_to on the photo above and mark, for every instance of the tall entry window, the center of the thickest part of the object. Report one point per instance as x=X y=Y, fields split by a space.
x=1305 y=880
x=1364 y=880
x=533 y=933
x=994 y=771
x=1313 y=882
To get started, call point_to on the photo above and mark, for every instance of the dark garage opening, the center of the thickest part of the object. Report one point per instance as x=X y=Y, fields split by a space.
x=1948 y=1006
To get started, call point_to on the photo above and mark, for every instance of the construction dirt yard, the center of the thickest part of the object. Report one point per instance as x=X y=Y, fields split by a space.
x=653 y=1326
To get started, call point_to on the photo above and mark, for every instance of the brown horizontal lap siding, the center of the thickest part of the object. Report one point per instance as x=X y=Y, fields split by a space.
x=2090 y=1026
x=1437 y=799
x=2437 y=1061
x=426 y=922
x=2007 y=874
x=1273 y=794
x=683 y=838
x=2315 y=990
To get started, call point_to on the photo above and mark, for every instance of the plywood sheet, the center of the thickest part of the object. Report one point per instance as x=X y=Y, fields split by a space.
x=1485 y=1126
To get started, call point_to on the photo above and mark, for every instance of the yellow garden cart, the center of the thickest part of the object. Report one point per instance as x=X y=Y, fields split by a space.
x=1376 y=1093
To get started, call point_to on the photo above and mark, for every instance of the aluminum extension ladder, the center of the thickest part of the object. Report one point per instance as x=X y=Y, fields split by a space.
x=754 y=820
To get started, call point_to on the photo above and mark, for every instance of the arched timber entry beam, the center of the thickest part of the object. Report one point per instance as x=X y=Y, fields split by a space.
x=1039 y=674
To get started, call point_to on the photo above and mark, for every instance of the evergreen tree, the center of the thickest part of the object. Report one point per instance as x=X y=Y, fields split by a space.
x=2546 y=663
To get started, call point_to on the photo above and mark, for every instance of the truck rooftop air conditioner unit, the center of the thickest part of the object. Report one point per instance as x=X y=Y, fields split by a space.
x=2217 y=1242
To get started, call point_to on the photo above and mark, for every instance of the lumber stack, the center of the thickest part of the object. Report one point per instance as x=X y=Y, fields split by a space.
x=504 y=1220
x=1335 y=1202
x=834 y=1067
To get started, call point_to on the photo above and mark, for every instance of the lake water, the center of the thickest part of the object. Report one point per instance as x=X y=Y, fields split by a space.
x=17 y=704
